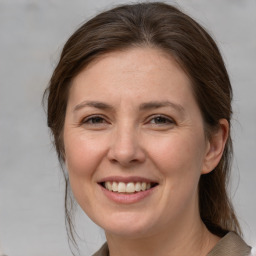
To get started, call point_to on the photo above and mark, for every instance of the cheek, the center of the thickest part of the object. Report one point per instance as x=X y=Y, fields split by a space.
x=83 y=154
x=180 y=160
x=178 y=156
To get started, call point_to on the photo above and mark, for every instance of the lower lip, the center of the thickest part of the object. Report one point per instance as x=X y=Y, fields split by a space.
x=126 y=198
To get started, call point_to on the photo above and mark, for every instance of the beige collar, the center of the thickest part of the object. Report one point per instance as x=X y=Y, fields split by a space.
x=230 y=245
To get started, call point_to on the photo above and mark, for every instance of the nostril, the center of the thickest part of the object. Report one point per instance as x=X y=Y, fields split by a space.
x=125 y=154
x=113 y=161
x=124 y=162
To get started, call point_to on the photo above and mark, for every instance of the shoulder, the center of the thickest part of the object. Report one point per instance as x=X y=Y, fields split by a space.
x=103 y=251
x=231 y=245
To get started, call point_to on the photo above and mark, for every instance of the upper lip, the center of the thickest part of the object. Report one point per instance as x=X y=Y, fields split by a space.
x=127 y=179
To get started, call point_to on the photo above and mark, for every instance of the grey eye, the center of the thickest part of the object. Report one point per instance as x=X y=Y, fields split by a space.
x=94 y=120
x=161 y=120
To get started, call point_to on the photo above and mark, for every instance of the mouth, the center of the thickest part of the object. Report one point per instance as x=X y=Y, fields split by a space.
x=127 y=187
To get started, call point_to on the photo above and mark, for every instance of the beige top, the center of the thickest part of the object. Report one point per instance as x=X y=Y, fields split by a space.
x=230 y=245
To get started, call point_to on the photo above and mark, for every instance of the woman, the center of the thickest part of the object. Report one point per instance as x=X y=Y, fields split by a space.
x=140 y=106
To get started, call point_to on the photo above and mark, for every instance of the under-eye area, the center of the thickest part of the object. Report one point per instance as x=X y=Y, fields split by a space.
x=129 y=187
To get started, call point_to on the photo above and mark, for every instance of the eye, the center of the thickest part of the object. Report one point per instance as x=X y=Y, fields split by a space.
x=161 y=120
x=94 y=121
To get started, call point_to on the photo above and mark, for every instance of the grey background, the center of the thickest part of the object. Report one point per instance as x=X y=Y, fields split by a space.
x=31 y=186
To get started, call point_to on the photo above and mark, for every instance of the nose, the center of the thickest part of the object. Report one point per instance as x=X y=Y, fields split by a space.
x=125 y=148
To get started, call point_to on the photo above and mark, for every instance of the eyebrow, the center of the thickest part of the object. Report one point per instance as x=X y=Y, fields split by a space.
x=143 y=106
x=94 y=104
x=161 y=104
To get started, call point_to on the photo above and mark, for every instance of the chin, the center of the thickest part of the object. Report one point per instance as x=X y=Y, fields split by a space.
x=127 y=225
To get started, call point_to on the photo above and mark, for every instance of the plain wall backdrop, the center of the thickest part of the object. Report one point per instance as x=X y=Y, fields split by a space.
x=31 y=185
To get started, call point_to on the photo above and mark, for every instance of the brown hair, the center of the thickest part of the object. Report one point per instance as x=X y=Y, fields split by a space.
x=164 y=27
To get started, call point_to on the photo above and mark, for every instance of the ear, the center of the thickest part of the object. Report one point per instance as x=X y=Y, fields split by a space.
x=215 y=146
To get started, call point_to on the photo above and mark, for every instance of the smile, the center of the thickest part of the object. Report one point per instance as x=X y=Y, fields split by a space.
x=129 y=187
x=127 y=190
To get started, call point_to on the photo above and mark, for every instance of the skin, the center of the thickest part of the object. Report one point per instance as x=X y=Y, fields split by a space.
x=126 y=140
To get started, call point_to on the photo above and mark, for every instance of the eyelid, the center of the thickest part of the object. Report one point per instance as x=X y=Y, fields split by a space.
x=90 y=117
x=169 y=119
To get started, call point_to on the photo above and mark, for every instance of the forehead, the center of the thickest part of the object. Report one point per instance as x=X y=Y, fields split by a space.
x=147 y=70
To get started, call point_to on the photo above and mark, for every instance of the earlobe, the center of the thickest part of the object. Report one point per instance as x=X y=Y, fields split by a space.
x=215 y=146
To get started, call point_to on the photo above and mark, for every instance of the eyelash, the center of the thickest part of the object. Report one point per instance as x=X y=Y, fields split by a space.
x=167 y=120
x=91 y=118
x=102 y=120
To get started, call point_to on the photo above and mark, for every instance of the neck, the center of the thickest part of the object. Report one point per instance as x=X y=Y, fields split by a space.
x=187 y=240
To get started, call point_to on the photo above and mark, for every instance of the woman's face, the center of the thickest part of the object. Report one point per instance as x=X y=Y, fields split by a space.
x=134 y=143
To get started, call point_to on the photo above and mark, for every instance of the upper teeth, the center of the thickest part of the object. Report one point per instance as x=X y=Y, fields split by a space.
x=129 y=187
